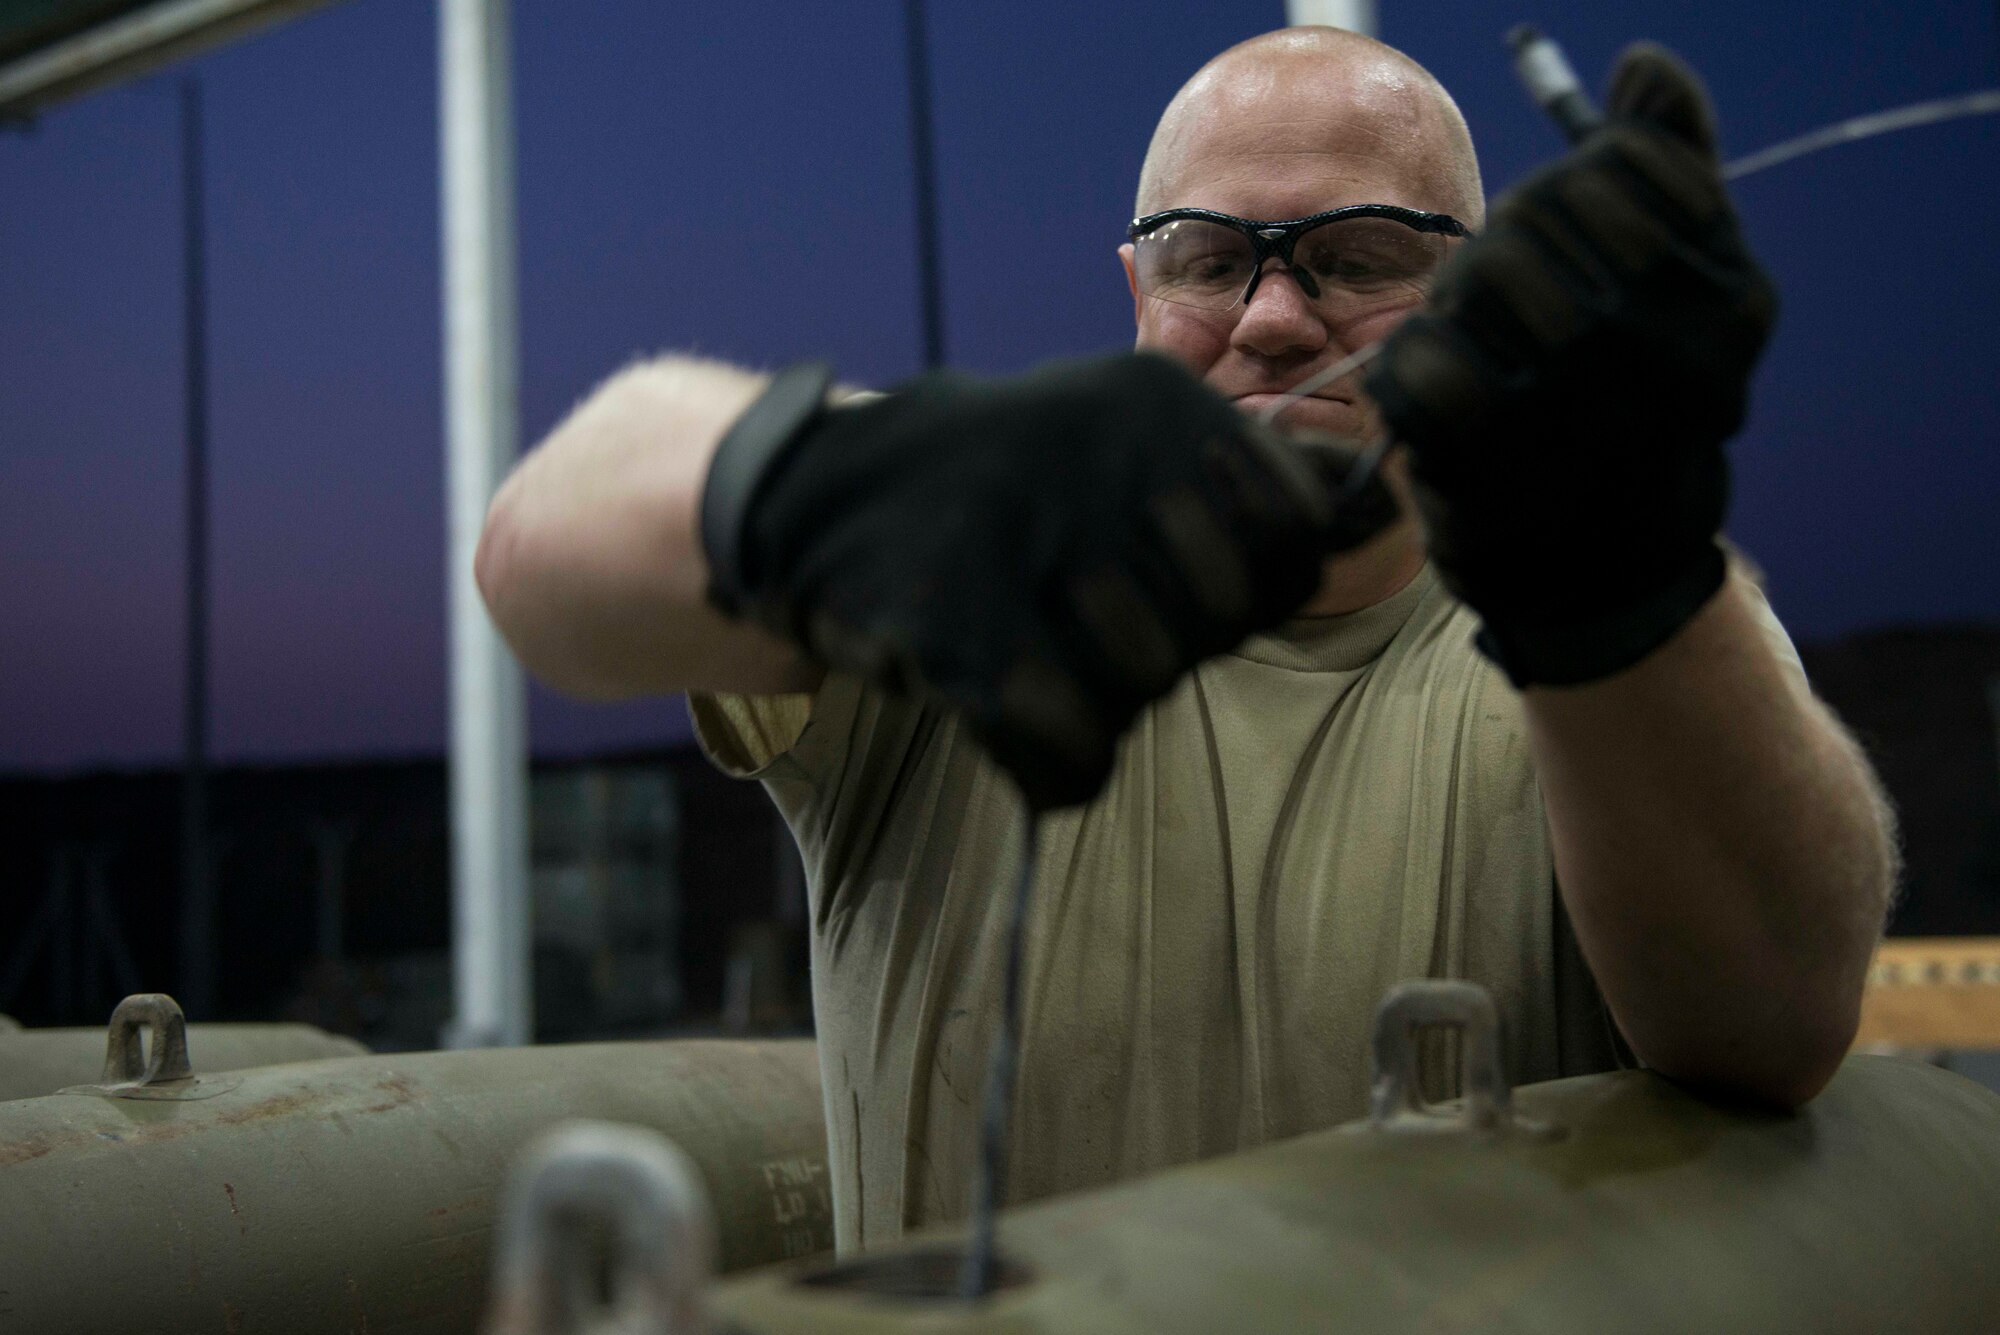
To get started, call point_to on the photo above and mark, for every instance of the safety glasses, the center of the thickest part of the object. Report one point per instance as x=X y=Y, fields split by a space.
x=1349 y=262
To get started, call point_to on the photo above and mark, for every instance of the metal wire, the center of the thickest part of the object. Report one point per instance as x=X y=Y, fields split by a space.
x=976 y=1271
x=1347 y=365
x=1984 y=102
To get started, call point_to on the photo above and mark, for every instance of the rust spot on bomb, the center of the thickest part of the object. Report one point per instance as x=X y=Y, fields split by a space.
x=469 y=1203
x=277 y=1108
x=399 y=1091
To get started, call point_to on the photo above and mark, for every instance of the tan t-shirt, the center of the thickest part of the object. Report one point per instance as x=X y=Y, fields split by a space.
x=1335 y=806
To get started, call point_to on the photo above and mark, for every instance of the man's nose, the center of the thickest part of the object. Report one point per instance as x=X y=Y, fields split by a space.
x=1279 y=319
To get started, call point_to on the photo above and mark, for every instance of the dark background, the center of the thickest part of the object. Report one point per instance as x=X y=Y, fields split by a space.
x=737 y=181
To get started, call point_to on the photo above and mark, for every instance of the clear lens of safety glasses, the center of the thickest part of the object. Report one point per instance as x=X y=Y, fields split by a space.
x=1350 y=267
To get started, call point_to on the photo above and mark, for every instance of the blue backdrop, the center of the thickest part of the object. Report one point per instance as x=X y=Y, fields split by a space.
x=693 y=178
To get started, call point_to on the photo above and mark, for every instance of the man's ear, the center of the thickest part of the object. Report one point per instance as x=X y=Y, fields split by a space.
x=1131 y=279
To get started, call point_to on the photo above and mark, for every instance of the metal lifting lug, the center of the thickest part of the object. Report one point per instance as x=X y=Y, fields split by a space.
x=1397 y=1105
x=163 y=1073
x=606 y=1231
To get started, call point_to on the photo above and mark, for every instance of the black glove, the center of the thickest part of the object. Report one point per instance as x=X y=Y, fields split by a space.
x=1044 y=554
x=1567 y=389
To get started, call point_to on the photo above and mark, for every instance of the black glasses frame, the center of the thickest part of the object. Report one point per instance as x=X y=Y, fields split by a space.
x=1279 y=238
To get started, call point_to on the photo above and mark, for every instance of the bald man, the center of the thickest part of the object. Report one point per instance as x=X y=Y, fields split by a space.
x=1239 y=682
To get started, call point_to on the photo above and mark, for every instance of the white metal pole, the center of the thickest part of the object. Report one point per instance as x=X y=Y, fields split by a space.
x=1355 y=15
x=488 y=768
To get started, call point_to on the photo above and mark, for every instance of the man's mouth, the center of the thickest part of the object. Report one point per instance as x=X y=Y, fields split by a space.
x=1263 y=398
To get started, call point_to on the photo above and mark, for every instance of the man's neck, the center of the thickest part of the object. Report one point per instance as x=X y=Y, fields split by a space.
x=1370 y=573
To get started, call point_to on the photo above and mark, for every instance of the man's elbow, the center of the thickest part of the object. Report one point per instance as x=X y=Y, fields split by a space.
x=1784 y=1066
x=504 y=566
x=490 y=559
x=1786 y=1082
x=497 y=567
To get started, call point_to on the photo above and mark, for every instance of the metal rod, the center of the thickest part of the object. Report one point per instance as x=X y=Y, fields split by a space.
x=331 y=840
x=29 y=945
x=923 y=159
x=1354 y=15
x=197 y=972
x=491 y=983
x=1545 y=72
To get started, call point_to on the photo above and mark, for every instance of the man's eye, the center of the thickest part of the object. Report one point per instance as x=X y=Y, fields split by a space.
x=1359 y=269
x=1210 y=268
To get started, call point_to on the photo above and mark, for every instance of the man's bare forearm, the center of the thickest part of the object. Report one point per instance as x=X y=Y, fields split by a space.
x=1724 y=852
x=591 y=561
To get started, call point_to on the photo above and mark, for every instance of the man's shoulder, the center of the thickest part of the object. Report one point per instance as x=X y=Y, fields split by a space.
x=743 y=735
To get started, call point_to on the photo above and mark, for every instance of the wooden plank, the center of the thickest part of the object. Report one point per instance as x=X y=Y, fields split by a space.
x=1933 y=992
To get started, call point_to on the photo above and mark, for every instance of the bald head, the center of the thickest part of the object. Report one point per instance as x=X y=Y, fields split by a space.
x=1361 y=110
